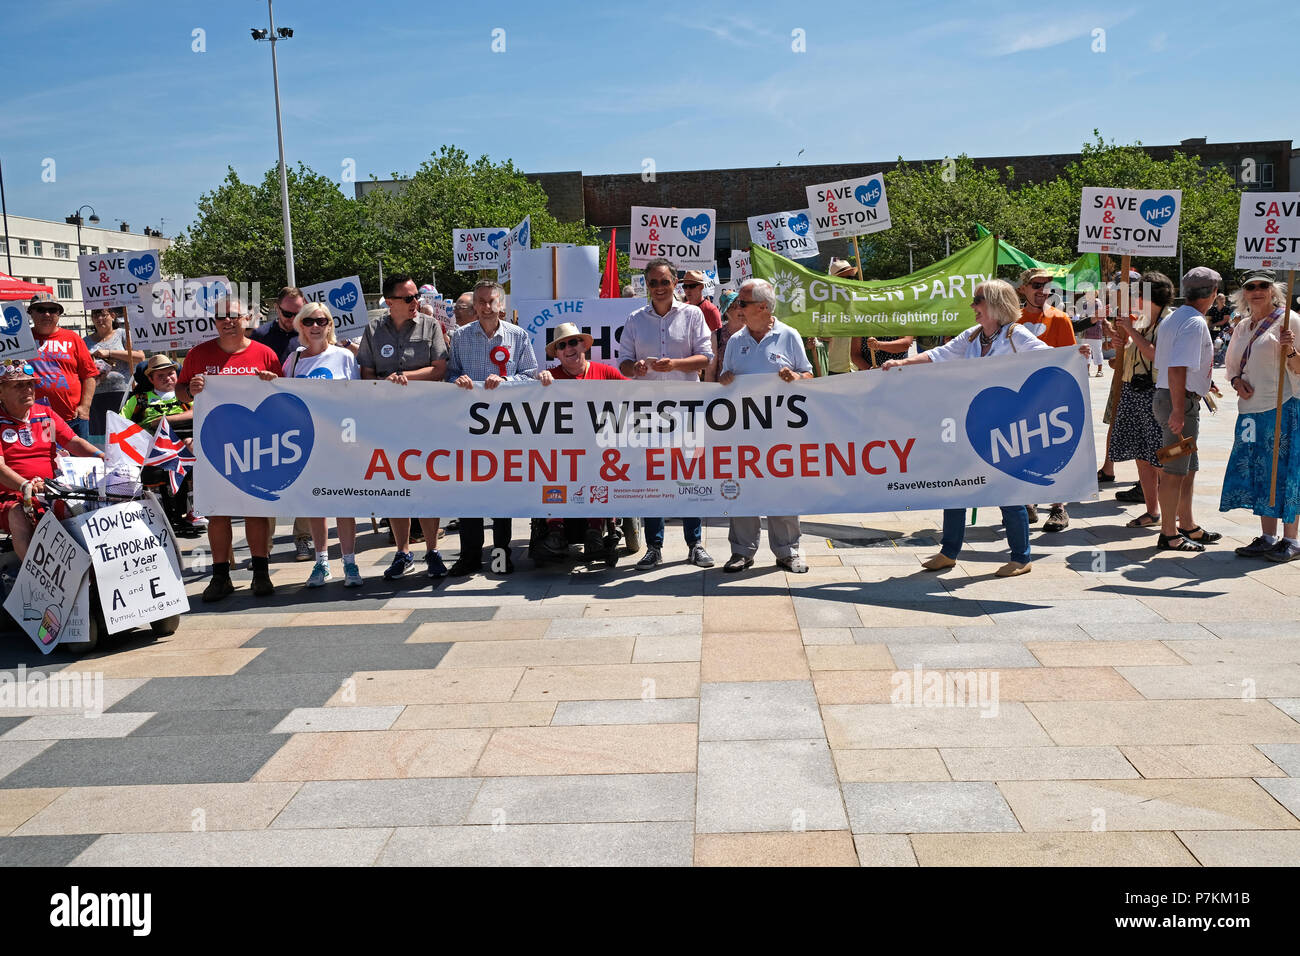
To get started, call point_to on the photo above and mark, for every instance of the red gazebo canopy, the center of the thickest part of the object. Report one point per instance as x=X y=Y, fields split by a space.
x=12 y=289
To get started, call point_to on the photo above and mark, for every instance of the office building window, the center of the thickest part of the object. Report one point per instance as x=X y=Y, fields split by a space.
x=22 y=248
x=4 y=246
x=37 y=248
x=61 y=250
x=65 y=288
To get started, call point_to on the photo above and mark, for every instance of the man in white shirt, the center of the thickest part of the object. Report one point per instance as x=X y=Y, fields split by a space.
x=669 y=341
x=1184 y=362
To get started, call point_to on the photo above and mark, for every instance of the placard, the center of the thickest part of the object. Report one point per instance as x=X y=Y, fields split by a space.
x=520 y=237
x=787 y=233
x=178 y=314
x=347 y=304
x=576 y=273
x=850 y=207
x=16 y=339
x=602 y=319
x=1130 y=222
x=44 y=596
x=113 y=279
x=137 y=568
x=475 y=249
x=1268 y=231
x=741 y=269
x=684 y=236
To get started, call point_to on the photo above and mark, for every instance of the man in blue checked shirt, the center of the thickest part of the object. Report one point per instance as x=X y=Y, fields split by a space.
x=493 y=352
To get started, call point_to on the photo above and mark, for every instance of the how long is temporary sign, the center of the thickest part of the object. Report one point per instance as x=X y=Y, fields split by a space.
x=970 y=433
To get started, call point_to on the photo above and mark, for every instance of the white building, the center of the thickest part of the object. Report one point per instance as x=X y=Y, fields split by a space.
x=46 y=252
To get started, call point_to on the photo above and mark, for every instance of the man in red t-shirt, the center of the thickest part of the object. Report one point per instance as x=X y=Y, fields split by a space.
x=1052 y=326
x=693 y=286
x=570 y=344
x=65 y=372
x=232 y=352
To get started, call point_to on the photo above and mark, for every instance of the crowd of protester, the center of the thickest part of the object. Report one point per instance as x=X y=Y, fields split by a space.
x=1163 y=358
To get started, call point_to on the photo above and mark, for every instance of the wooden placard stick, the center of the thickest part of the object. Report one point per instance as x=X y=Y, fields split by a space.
x=1281 y=377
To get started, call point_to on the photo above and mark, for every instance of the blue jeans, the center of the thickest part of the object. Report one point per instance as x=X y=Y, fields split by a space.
x=691 y=530
x=1014 y=518
x=80 y=427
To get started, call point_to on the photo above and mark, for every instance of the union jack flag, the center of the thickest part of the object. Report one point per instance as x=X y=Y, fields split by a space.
x=169 y=453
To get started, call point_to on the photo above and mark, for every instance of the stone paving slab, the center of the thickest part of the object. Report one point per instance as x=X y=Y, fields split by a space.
x=821 y=848
x=1243 y=847
x=42 y=851
x=1051 y=849
x=345 y=804
x=585 y=798
x=570 y=844
x=289 y=848
x=749 y=786
x=927 y=808
x=145 y=809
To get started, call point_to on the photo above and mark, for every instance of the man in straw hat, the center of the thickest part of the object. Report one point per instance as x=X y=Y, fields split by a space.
x=840 y=351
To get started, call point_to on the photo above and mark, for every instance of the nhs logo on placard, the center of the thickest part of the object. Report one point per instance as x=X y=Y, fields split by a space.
x=344 y=298
x=12 y=320
x=260 y=451
x=1030 y=434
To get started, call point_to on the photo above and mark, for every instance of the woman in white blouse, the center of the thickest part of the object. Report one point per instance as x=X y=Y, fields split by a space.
x=997 y=309
x=1252 y=363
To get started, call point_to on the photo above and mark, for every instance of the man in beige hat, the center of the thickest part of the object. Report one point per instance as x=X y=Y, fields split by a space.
x=840 y=349
x=693 y=287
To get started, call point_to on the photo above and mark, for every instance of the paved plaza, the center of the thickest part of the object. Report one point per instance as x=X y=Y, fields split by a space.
x=1118 y=705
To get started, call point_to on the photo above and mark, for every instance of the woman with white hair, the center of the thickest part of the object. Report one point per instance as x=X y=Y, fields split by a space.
x=1252 y=363
x=997 y=309
x=319 y=356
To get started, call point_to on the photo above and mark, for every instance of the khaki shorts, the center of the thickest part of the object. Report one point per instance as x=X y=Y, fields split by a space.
x=1161 y=408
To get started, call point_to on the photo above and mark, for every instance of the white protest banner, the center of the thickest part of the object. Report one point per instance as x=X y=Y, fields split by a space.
x=520 y=237
x=115 y=278
x=346 y=303
x=789 y=233
x=1130 y=222
x=44 y=596
x=1020 y=430
x=685 y=236
x=16 y=339
x=602 y=319
x=1268 y=231
x=850 y=207
x=179 y=314
x=474 y=249
x=740 y=268
x=137 y=566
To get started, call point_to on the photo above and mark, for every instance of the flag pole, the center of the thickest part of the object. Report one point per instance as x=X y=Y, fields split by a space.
x=862 y=275
x=1281 y=377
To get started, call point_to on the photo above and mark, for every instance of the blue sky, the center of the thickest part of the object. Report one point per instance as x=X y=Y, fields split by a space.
x=139 y=125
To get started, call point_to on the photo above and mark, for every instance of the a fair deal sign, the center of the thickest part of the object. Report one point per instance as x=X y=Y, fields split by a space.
x=346 y=303
x=1010 y=428
x=851 y=207
x=1130 y=222
x=787 y=233
x=474 y=249
x=684 y=236
x=114 y=279
x=1268 y=231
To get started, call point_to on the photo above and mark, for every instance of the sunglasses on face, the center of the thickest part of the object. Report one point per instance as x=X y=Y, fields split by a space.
x=978 y=300
x=46 y=311
x=569 y=344
x=287 y=313
x=692 y=285
x=1255 y=286
x=1039 y=285
x=656 y=283
x=408 y=299
x=744 y=303
x=316 y=320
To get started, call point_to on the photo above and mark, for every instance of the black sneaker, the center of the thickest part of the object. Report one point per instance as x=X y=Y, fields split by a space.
x=1283 y=551
x=1256 y=549
x=737 y=562
x=1132 y=496
x=218 y=588
x=436 y=568
x=403 y=561
x=652 y=558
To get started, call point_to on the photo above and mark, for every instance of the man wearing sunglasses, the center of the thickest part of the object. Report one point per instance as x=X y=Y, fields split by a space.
x=404 y=345
x=278 y=333
x=666 y=341
x=1053 y=327
x=65 y=372
x=693 y=287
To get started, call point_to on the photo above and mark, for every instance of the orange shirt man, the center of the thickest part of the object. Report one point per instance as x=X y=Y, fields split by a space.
x=1050 y=324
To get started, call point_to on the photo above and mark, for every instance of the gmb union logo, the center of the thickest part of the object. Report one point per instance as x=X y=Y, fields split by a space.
x=555 y=494
x=730 y=490
x=260 y=451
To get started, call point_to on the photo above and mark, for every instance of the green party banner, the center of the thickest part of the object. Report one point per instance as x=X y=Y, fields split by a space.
x=1084 y=270
x=932 y=301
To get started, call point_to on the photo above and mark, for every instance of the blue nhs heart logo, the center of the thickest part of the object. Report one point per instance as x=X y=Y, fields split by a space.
x=868 y=194
x=1158 y=211
x=13 y=320
x=345 y=297
x=1030 y=434
x=260 y=451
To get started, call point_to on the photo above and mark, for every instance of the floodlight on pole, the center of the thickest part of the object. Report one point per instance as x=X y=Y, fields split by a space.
x=273 y=35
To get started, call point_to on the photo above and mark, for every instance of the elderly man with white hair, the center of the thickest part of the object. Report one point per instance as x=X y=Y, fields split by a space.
x=765 y=346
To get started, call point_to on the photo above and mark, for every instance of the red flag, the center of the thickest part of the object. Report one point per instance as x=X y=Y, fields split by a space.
x=609 y=287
